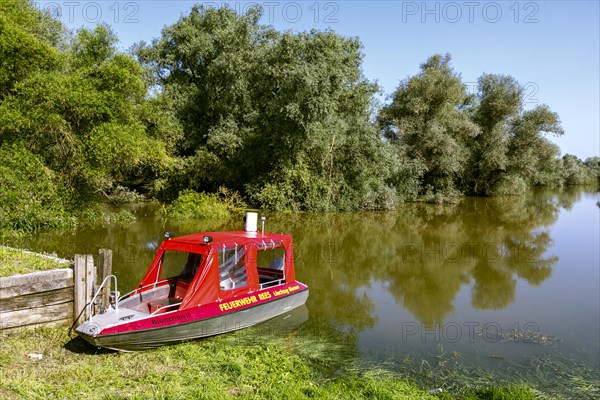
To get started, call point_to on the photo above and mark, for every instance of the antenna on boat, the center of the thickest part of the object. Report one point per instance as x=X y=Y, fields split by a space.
x=262 y=223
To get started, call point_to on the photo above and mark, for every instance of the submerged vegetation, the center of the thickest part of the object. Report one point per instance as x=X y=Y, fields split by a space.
x=550 y=376
x=285 y=120
x=47 y=362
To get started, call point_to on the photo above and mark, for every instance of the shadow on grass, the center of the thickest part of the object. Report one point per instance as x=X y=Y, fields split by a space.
x=80 y=346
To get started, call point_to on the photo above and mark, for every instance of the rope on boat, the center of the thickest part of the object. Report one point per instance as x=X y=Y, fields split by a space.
x=79 y=316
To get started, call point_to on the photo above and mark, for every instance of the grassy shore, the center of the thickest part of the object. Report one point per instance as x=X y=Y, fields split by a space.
x=223 y=367
x=17 y=261
x=255 y=363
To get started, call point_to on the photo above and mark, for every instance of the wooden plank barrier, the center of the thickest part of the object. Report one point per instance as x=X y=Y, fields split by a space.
x=53 y=297
x=38 y=298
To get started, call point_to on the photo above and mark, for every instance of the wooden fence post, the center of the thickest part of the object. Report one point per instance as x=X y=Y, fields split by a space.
x=78 y=284
x=84 y=278
x=105 y=270
x=90 y=281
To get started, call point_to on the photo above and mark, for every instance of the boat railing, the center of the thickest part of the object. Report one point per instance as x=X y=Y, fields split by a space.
x=271 y=283
x=140 y=288
x=106 y=280
x=165 y=307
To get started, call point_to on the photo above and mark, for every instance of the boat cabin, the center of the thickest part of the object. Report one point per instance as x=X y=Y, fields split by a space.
x=202 y=268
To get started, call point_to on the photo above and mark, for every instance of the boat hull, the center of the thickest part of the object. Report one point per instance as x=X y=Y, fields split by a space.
x=179 y=332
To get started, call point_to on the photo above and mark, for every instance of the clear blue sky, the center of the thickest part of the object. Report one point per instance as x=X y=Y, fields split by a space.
x=550 y=47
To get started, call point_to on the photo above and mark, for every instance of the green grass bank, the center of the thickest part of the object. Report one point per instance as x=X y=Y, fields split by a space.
x=19 y=261
x=223 y=367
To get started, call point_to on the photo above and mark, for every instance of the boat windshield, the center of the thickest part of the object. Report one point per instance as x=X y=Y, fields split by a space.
x=179 y=264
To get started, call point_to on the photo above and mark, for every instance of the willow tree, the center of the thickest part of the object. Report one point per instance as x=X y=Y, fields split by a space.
x=427 y=122
x=484 y=144
x=531 y=155
x=512 y=151
x=280 y=117
x=499 y=100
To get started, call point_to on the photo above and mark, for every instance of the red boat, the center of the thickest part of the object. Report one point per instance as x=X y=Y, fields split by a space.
x=202 y=285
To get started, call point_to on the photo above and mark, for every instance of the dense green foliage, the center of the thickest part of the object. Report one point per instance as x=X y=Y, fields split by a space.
x=85 y=118
x=29 y=42
x=285 y=119
x=75 y=124
x=190 y=205
x=576 y=172
x=281 y=117
x=32 y=196
x=485 y=144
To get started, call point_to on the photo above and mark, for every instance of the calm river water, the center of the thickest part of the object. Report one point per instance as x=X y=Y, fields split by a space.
x=489 y=290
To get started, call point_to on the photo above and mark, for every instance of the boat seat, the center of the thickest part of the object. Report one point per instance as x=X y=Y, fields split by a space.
x=268 y=274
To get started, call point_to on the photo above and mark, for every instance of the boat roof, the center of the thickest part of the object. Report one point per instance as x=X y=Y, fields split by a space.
x=231 y=237
x=205 y=286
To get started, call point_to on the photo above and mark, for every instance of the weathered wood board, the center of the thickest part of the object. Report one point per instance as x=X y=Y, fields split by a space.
x=14 y=319
x=35 y=282
x=37 y=298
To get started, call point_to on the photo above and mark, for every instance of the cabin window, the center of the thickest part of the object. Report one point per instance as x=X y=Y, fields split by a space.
x=180 y=264
x=232 y=271
x=270 y=261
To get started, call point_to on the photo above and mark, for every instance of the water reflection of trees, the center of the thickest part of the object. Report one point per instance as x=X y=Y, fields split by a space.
x=133 y=244
x=425 y=253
